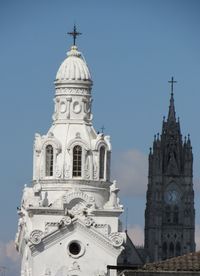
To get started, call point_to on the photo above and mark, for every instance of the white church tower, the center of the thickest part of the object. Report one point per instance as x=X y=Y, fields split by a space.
x=69 y=217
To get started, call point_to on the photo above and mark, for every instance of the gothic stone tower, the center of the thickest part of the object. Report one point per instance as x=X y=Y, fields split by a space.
x=69 y=218
x=170 y=214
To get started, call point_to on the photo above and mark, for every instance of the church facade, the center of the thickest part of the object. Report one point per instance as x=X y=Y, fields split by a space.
x=69 y=218
x=170 y=214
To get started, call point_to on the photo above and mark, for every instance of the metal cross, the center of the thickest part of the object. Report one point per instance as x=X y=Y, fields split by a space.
x=172 y=81
x=74 y=34
x=102 y=129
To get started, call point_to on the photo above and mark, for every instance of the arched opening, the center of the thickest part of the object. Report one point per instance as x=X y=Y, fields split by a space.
x=164 y=251
x=178 y=249
x=171 y=250
x=102 y=162
x=175 y=215
x=77 y=161
x=49 y=160
x=108 y=157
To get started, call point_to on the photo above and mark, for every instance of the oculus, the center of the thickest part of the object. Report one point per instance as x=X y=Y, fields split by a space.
x=75 y=249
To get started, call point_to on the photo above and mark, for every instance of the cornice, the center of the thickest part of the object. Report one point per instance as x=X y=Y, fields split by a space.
x=64 y=185
x=107 y=212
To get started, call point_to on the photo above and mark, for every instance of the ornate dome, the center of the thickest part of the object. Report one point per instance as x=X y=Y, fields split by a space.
x=73 y=68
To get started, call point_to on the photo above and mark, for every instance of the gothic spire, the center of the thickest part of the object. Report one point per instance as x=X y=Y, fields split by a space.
x=172 y=113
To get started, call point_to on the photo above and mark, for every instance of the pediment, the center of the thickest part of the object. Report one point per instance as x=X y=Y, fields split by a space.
x=77 y=226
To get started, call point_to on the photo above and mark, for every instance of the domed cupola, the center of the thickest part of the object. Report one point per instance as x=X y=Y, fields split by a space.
x=73 y=86
x=73 y=68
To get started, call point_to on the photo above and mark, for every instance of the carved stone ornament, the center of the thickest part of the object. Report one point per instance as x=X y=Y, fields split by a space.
x=63 y=107
x=36 y=237
x=78 y=208
x=67 y=220
x=88 y=221
x=116 y=239
x=78 y=194
x=67 y=171
x=95 y=171
x=42 y=171
x=58 y=172
x=50 y=226
x=78 y=135
x=37 y=187
x=73 y=91
x=74 y=267
x=77 y=107
x=102 y=228
x=87 y=172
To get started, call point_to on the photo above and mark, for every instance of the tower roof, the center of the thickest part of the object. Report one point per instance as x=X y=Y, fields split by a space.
x=172 y=113
x=73 y=68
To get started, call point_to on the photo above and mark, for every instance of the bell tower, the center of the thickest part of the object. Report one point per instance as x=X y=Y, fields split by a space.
x=170 y=214
x=69 y=216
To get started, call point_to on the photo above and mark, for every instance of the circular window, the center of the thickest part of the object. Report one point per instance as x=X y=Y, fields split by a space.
x=75 y=249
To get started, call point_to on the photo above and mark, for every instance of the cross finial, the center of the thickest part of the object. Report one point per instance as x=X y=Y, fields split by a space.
x=74 y=34
x=172 y=81
x=102 y=129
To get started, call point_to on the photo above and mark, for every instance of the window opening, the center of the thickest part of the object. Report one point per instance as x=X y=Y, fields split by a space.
x=49 y=160
x=102 y=162
x=178 y=249
x=164 y=249
x=175 y=216
x=171 y=250
x=74 y=248
x=77 y=160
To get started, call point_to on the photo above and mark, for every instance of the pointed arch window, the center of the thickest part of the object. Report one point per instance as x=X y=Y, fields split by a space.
x=178 y=249
x=77 y=161
x=102 y=162
x=171 y=250
x=175 y=214
x=108 y=157
x=49 y=160
x=164 y=250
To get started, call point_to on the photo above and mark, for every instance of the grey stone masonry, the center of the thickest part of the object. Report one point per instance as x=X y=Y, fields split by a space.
x=170 y=213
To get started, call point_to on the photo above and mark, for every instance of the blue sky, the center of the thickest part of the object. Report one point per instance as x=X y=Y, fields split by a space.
x=132 y=47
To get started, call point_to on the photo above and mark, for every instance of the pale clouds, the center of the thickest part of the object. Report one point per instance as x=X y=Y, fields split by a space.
x=197 y=237
x=196 y=181
x=11 y=251
x=130 y=170
x=136 y=234
x=9 y=258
